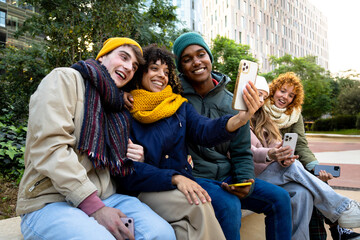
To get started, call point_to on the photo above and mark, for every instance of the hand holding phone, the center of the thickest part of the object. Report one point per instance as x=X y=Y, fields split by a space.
x=129 y=223
x=247 y=72
x=334 y=170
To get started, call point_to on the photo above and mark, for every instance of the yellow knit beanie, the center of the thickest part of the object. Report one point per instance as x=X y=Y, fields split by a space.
x=115 y=42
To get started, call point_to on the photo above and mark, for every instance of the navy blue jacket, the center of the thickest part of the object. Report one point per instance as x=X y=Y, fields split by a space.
x=165 y=147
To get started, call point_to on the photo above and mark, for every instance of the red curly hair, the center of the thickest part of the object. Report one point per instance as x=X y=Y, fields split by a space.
x=290 y=79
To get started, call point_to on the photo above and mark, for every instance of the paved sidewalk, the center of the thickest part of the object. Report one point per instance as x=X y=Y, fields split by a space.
x=342 y=151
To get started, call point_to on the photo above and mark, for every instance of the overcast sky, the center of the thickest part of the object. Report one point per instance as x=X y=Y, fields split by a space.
x=343 y=33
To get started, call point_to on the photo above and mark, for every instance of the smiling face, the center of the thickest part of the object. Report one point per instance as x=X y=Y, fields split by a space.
x=156 y=78
x=262 y=96
x=196 y=64
x=284 y=96
x=121 y=64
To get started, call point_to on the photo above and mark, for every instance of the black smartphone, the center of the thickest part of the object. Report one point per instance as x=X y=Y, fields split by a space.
x=334 y=170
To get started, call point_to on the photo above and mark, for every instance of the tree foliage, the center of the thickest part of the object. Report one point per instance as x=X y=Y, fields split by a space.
x=76 y=29
x=227 y=56
x=316 y=81
x=348 y=101
x=22 y=70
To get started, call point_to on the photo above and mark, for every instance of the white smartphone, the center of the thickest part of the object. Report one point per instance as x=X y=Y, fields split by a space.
x=290 y=139
x=129 y=223
x=334 y=170
x=247 y=72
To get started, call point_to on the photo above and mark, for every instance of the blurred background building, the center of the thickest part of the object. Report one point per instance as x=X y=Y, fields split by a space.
x=12 y=16
x=269 y=27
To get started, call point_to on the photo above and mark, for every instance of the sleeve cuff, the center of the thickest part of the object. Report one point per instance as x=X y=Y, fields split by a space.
x=310 y=166
x=91 y=204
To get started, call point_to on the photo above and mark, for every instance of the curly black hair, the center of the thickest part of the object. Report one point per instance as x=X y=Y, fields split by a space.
x=153 y=53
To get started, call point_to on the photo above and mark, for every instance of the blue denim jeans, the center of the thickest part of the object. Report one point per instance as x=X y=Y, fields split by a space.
x=325 y=199
x=61 y=221
x=266 y=198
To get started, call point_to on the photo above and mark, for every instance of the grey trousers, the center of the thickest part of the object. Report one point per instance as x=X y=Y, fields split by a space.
x=189 y=221
x=325 y=199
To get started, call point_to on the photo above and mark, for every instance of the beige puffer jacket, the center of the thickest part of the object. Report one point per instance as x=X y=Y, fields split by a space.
x=54 y=169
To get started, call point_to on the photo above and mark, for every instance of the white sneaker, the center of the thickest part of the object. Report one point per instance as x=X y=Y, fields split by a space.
x=350 y=218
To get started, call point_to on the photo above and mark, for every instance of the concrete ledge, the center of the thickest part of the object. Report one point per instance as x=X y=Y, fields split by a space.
x=10 y=229
x=322 y=135
x=252 y=227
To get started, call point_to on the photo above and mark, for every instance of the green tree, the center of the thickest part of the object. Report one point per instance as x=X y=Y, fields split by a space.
x=316 y=81
x=227 y=56
x=73 y=30
x=348 y=101
x=76 y=29
x=22 y=70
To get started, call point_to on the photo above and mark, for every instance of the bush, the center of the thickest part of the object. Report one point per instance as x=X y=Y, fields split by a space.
x=335 y=123
x=343 y=122
x=322 y=125
x=12 y=148
x=358 y=121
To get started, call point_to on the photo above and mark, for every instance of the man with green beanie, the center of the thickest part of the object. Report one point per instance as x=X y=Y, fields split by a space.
x=230 y=162
x=77 y=138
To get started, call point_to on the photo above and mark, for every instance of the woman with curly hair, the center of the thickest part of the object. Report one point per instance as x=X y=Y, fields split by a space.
x=163 y=122
x=284 y=108
x=275 y=163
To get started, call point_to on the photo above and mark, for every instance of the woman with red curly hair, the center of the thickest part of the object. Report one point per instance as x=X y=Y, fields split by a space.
x=284 y=108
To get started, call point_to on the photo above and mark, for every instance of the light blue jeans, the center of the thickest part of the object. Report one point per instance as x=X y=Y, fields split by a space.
x=61 y=221
x=325 y=199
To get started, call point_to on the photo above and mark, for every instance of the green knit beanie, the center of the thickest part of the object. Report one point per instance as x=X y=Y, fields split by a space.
x=186 y=39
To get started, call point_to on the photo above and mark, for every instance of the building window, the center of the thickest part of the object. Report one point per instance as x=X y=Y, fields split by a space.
x=225 y=21
x=2 y=19
x=13 y=23
x=239 y=37
x=260 y=16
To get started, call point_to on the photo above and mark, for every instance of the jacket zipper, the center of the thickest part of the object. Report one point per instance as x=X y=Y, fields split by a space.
x=36 y=184
x=178 y=119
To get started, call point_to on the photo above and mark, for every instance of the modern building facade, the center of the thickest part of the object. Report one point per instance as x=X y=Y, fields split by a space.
x=190 y=13
x=270 y=27
x=12 y=16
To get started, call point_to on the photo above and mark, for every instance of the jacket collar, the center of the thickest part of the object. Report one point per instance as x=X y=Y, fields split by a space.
x=221 y=78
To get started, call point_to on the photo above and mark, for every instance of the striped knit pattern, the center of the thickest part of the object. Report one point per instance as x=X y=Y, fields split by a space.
x=105 y=128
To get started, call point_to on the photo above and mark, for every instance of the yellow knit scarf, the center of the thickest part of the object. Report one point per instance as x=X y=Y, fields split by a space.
x=150 y=107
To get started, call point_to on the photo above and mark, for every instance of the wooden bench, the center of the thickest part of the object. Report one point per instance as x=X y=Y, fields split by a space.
x=252 y=227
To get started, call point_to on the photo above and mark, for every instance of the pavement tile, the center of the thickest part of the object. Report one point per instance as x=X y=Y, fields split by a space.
x=344 y=152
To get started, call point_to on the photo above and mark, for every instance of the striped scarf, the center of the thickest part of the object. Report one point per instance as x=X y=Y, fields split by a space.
x=151 y=107
x=105 y=128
